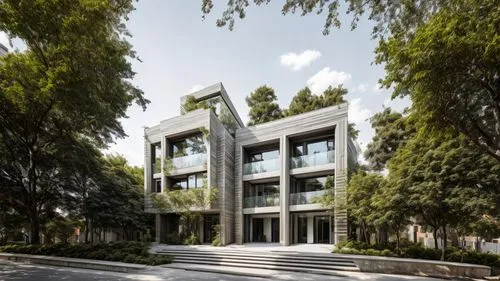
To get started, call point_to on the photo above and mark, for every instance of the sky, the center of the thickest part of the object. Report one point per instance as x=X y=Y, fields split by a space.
x=181 y=52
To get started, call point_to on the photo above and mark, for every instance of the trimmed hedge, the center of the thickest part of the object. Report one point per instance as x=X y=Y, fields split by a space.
x=416 y=251
x=129 y=252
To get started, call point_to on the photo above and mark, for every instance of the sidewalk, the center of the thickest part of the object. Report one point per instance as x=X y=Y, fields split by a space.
x=253 y=247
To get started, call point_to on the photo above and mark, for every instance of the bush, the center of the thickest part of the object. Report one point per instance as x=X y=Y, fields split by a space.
x=191 y=240
x=416 y=251
x=129 y=252
x=217 y=239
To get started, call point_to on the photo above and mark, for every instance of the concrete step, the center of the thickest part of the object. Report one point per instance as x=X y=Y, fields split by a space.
x=265 y=264
x=291 y=260
x=326 y=271
x=295 y=256
x=318 y=263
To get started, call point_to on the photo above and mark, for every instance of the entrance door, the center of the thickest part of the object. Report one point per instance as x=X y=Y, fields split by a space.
x=258 y=230
x=302 y=229
x=209 y=223
x=322 y=229
x=275 y=230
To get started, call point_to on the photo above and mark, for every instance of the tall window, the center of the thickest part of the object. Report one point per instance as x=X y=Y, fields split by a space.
x=262 y=156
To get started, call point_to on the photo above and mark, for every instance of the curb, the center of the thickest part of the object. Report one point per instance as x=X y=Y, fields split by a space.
x=76 y=263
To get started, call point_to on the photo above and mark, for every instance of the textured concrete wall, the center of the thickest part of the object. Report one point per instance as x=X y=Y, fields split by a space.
x=331 y=119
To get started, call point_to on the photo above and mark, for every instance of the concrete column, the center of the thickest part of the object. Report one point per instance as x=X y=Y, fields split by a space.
x=157 y=228
x=284 y=191
x=164 y=151
x=340 y=215
x=310 y=229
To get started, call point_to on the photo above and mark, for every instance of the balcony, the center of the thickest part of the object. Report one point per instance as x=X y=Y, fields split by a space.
x=261 y=166
x=302 y=198
x=270 y=200
x=312 y=160
x=156 y=166
x=189 y=161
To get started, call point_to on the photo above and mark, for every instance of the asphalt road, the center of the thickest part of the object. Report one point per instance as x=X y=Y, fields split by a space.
x=23 y=272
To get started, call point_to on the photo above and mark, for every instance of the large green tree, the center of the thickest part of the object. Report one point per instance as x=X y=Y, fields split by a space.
x=447 y=182
x=392 y=131
x=263 y=106
x=450 y=69
x=72 y=81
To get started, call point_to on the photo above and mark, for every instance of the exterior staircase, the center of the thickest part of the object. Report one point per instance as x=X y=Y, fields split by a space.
x=317 y=263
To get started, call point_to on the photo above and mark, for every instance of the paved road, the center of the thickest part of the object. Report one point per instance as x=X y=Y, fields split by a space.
x=24 y=272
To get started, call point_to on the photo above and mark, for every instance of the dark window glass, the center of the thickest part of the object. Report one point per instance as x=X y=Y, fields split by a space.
x=262 y=156
x=189 y=146
x=310 y=184
x=157 y=185
x=331 y=145
x=201 y=180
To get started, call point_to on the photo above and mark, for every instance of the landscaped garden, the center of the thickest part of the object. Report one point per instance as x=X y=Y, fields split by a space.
x=128 y=252
x=416 y=251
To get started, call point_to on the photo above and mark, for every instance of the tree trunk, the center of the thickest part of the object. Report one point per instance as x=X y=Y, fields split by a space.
x=397 y=241
x=91 y=230
x=87 y=222
x=444 y=243
x=34 y=228
x=434 y=233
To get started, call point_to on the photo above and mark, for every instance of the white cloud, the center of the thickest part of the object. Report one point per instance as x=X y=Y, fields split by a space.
x=195 y=88
x=357 y=113
x=326 y=77
x=361 y=88
x=298 y=61
x=377 y=88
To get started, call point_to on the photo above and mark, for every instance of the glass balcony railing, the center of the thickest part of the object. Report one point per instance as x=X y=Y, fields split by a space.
x=311 y=160
x=305 y=197
x=261 y=166
x=189 y=161
x=262 y=201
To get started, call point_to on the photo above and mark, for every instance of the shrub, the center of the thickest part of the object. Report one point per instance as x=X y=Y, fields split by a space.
x=191 y=240
x=217 y=239
x=130 y=252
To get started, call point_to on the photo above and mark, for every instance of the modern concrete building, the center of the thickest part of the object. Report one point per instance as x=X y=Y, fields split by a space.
x=268 y=176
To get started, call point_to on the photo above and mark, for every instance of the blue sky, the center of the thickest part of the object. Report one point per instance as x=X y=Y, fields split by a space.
x=181 y=52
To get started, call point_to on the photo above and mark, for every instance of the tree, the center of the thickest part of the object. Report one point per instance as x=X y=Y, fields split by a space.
x=361 y=190
x=305 y=101
x=392 y=131
x=448 y=182
x=263 y=106
x=449 y=68
x=72 y=81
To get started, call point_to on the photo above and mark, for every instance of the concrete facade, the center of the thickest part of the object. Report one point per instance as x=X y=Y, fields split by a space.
x=274 y=216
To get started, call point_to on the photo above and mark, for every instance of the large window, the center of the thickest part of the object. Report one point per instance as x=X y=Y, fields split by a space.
x=262 y=156
x=261 y=195
x=188 y=146
x=312 y=153
x=261 y=162
x=310 y=184
x=313 y=147
x=189 y=182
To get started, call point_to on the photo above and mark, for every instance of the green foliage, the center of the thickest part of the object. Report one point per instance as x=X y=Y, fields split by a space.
x=72 y=83
x=416 y=251
x=192 y=104
x=129 y=252
x=191 y=239
x=61 y=228
x=263 y=106
x=305 y=101
x=392 y=131
x=217 y=238
x=449 y=68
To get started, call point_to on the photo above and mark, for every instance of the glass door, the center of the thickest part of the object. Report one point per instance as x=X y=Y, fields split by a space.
x=209 y=223
x=302 y=229
x=258 y=230
x=275 y=230
x=322 y=229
